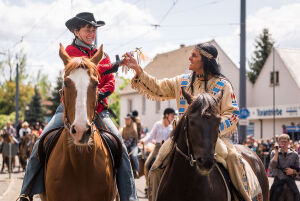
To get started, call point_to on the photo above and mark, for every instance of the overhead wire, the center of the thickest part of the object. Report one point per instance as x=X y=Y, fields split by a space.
x=148 y=31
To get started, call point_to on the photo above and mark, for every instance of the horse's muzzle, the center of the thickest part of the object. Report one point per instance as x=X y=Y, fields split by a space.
x=205 y=162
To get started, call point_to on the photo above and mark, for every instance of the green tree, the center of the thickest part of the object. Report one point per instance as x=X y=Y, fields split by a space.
x=263 y=46
x=8 y=97
x=114 y=100
x=55 y=96
x=35 y=113
x=41 y=81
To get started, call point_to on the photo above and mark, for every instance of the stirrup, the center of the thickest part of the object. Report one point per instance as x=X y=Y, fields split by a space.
x=23 y=196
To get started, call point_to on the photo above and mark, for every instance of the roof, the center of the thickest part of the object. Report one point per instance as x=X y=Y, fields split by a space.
x=291 y=58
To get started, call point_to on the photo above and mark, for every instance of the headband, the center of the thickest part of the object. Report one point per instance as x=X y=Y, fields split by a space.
x=203 y=52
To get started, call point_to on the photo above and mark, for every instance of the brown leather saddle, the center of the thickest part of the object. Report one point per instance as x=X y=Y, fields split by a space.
x=111 y=141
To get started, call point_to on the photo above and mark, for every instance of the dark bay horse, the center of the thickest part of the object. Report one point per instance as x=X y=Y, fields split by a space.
x=192 y=174
x=79 y=167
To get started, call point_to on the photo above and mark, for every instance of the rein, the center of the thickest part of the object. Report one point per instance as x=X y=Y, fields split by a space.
x=189 y=156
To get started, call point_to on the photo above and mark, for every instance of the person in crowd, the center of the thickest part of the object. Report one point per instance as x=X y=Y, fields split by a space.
x=39 y=128
x=19 y=126
x=84 y=26
x=284 y=165
x=24 y=130
x=204 y=78
x=160 y=132
x=10 y=129
x=284 y=129
x=130 y=136
x=263 y=153
x=136 y=119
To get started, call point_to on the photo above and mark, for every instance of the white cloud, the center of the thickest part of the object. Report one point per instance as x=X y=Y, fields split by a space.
x=43 y=25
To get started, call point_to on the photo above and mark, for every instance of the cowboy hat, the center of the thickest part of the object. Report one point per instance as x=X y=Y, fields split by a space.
x=25 y=124
x=83 y=18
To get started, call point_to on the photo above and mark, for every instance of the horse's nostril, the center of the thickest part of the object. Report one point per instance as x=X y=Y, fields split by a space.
x=73 y=130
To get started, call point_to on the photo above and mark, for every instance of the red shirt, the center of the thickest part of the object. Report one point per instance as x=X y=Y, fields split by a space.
x=106 y=82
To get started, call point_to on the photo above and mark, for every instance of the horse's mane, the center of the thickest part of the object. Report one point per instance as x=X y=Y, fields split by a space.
x=206 y=104
x=81 y=62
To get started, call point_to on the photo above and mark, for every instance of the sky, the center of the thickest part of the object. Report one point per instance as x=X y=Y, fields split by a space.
x=38 y=26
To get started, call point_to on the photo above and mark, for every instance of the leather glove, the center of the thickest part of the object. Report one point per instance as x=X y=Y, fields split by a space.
x=103 y=95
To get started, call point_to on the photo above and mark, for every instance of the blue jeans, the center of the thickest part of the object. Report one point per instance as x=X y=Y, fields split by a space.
x=125 y=180
x=134 y=156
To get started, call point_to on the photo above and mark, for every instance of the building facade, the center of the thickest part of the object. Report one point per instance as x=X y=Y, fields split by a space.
x=277 y=87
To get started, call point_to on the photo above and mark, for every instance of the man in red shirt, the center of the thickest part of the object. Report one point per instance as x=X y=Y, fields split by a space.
x=84 y=26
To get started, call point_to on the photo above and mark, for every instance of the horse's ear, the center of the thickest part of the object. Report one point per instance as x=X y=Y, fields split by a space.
x=98 y=56
x=187 y=95
x=63 y=54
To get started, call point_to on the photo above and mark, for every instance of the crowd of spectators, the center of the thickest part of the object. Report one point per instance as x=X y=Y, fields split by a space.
x=263 y=148
x=22 y=129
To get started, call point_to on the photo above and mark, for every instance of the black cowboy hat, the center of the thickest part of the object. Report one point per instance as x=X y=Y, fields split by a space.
x=84 y=17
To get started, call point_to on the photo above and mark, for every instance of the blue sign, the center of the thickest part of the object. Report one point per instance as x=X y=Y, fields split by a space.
x=292 y=129
x=244 y=113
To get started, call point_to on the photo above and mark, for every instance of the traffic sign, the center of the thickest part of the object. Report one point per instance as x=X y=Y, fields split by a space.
x=244 y=113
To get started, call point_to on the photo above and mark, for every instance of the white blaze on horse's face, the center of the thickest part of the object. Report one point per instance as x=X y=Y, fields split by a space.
x=81 y=124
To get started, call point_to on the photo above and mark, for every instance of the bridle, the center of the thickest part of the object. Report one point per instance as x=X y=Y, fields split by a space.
x=190 y=156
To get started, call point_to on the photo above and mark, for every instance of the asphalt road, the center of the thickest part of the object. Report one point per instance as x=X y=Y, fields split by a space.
x=10 y=187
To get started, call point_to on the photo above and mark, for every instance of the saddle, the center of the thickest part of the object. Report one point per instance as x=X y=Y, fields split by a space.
x=111 y=141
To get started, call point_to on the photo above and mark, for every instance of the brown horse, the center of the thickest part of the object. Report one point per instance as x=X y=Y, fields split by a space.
x=7 y=139
x=79 y=167
x=23 y=151
x=192 y=172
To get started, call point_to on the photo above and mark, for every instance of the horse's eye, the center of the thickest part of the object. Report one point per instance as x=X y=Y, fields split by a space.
x=65 y=84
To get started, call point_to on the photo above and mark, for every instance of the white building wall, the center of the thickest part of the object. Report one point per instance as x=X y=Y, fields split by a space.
x=267 y=127
x=287 y=92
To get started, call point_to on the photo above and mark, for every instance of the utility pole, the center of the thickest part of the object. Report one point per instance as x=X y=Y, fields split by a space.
x=242 y=128
x=17 y=95
x=274 y=82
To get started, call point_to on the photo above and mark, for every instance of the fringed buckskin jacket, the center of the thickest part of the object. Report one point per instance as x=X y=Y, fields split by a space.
x=170 y=88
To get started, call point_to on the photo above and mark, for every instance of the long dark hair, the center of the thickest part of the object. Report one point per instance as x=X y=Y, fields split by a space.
x=210 y=65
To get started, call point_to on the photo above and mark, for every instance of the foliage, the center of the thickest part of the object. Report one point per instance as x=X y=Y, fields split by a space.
x=41 y=81
x=114 y=100
x=55 y=96
x=35 y=113
x=5 y=118
x=263 y=46
x=8 y=97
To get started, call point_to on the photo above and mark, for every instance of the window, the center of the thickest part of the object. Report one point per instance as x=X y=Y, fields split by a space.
x=157 y=107
x=274 y=78
x=143 y=105
x=129 y=105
